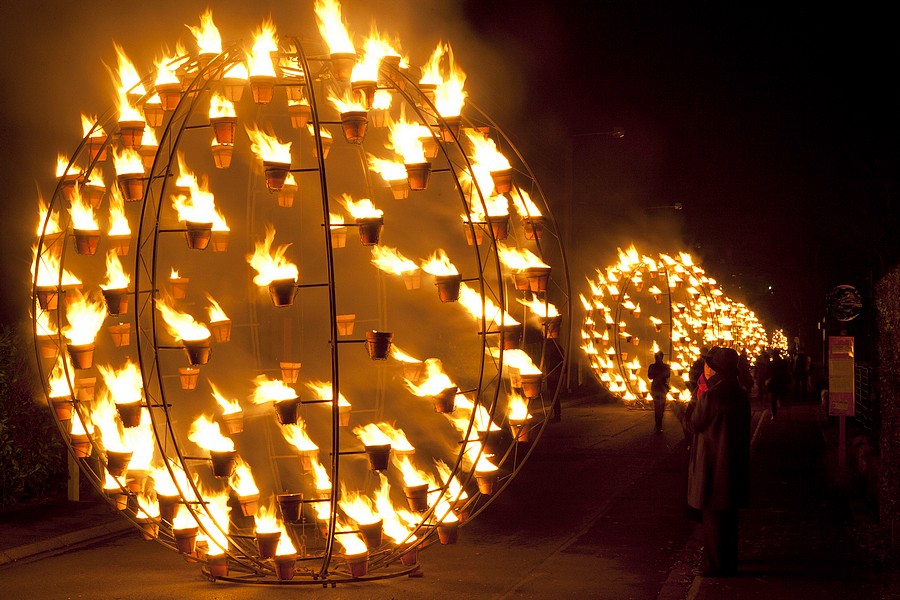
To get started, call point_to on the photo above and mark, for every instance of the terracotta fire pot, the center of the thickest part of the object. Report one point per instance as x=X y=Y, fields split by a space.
x=197 y=351
x=149 y=527
x=86 y=241
x=552 y=326
x=154 y=114
x=283 y=291
x=63 y=407
x=120 y=244
x=379 y=456
x=290 y=371
x=217 y=565
x=290 y=504
x=93 y=194
x=475 y=238
x=358 y=564
x=135 y=480
x=222 y=155
x=221 y=330
x=370 y=230
x=417 y=175
x=450 y=127
x=511 y=336
x=168 y=505
x=263 y=88
x=521 y=430
x=531 y=384
x=223 y=129
x=233 y=88
x=120 y=334
x=448 y=533
x=344 y=415
x=189 y=376
x=178 y=287
x=499 y=225
x=430 y=147
x=410 y=557
x=300 y=114
x=326 y=147
x=412 y=279
x=276 y=173
x=81 y=445
x=486 y=481
x=378 y=344
x=345 y=324
x=342 y=65
x=267 y=542
x=538 y=277
x=117 y=462
x=399 y=188
x=84 y=388
x=372 y=533
x=249 y=504
x=197 y=234
x=48 y=296
x=131 y=133
x=365 y=90
x=448 y=286
x=417 y=497
x=117 y=498
x=116 y=300
x=129 y=414
x=97 y=147
x=49 y=346
x=354 y=124
x=520 y=280
x=286 y=196
x=338 y=236
x=82 y=355
x=284 y=566
x=444 y=401
x=288 y=411
x=223 y=462
x=132 y=186
x=186 y=539
x=502 y=180
x=169 y=94
x=413 y=370
x=233 y=422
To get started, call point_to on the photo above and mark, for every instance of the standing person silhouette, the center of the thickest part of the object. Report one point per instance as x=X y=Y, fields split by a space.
x=659 y=373
x=719 y=468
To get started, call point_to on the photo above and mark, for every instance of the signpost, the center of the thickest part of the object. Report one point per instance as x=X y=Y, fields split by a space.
x=840 y=388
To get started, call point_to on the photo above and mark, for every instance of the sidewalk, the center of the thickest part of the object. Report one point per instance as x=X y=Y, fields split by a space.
x=42 y=529
x=795 y=536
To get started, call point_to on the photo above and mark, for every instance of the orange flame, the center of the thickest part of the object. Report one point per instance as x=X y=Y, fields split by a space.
x=271 y=266
x=181 y=326
x=85 y=316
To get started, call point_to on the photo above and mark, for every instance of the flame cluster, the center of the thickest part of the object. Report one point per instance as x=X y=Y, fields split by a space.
x=642 y=305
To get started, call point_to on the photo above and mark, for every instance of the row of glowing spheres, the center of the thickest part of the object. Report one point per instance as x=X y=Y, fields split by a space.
x=114 y=414
x=642 y=305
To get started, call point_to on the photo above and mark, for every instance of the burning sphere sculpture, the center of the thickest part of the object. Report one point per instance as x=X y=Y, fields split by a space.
x=643 y=305
x=241 y=320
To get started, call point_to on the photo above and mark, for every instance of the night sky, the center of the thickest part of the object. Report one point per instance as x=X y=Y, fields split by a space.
x=775 y=127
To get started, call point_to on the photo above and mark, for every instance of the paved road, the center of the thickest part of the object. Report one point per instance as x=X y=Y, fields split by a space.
x=597 y=513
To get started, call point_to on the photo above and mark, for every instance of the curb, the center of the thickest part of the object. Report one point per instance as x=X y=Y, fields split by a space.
x=64 y=542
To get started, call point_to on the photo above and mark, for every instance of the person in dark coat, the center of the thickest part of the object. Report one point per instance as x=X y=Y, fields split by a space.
x=745 y=377
x=761 y=370
x=658 y=373
x=779 y=380
x=719 y=468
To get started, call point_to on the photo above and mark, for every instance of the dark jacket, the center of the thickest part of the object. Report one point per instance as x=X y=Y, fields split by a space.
x=658 y=373
x=719 y=469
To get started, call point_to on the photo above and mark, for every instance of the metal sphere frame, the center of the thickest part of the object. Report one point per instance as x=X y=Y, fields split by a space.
x=150 y=348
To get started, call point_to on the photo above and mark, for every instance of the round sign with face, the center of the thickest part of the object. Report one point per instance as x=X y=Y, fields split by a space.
x=843 y=302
